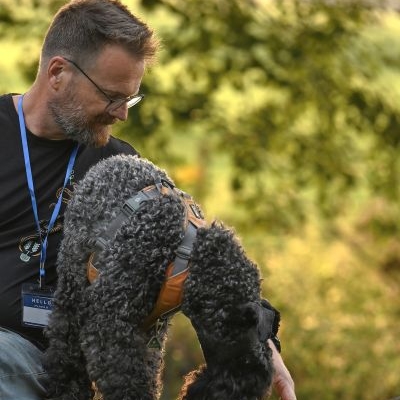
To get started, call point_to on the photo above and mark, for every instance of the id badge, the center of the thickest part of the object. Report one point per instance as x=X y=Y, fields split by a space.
x=37 y=304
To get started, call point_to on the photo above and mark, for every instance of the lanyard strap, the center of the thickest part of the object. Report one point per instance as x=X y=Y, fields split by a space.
x=43 y=239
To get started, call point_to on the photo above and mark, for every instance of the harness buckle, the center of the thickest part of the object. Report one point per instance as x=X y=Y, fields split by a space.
x=184 y=252
x=196 y=211
x=132 y=205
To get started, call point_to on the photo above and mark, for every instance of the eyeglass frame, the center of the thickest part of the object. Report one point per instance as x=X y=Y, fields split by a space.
x=113 y=104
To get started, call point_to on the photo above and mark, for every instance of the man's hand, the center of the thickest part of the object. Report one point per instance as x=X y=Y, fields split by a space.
x=282 y=381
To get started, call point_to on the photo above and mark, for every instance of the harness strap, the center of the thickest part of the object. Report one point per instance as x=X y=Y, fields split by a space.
x=131 y=206
x=171 y=293
x=91 y=271
x=170 y=297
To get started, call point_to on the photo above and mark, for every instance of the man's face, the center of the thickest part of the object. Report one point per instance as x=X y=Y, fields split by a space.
x=83 y=110
x=78 y=124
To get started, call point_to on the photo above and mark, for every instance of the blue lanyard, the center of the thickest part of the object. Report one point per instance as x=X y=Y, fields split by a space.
x=43 y=240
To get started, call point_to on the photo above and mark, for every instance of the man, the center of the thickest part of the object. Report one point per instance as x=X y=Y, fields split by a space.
x=92 y=62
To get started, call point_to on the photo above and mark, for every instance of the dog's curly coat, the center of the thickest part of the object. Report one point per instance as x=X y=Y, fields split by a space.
x=95 y=330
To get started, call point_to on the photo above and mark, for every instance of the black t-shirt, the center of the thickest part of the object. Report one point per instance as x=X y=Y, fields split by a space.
x=19 y=241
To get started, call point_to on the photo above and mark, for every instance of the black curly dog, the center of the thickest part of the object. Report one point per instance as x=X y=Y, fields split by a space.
x=96 y=332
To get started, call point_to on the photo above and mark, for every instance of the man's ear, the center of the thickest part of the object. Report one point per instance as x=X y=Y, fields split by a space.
x=56 y=69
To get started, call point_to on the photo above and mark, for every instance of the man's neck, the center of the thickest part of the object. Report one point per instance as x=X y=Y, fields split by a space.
x=37 y=117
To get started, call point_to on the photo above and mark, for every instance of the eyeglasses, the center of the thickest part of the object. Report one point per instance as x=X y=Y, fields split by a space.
x=113 y=104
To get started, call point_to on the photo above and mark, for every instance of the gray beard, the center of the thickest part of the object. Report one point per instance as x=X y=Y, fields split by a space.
x=74 y=123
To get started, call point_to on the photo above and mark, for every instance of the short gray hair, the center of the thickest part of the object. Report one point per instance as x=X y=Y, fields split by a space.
x=82 y=28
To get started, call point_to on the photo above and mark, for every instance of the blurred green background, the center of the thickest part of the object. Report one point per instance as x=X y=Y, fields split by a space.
x=282 y=118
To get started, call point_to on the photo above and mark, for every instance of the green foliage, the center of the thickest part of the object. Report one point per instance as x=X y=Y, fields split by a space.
x=340 y=317
x=22 y=25
x=291 y=91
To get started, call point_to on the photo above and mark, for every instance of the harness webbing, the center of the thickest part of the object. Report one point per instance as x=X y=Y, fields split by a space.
x=130 y=206
x=171 y=293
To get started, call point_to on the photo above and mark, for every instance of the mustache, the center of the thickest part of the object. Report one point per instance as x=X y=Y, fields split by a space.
x=106 y=119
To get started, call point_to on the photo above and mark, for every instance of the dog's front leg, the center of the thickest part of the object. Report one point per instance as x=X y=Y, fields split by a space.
x=64 y=361
x=118 y=359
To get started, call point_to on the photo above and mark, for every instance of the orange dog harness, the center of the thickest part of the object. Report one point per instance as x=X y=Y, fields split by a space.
x=170 y=297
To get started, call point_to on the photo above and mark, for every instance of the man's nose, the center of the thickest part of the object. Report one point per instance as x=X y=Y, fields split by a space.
x=121 y=112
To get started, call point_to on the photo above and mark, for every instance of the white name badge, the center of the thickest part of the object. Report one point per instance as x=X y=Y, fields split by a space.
x=36 y=305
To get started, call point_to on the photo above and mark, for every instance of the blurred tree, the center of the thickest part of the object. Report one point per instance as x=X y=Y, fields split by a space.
x=22 y=26
x=290 y=90
x=340 y=318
